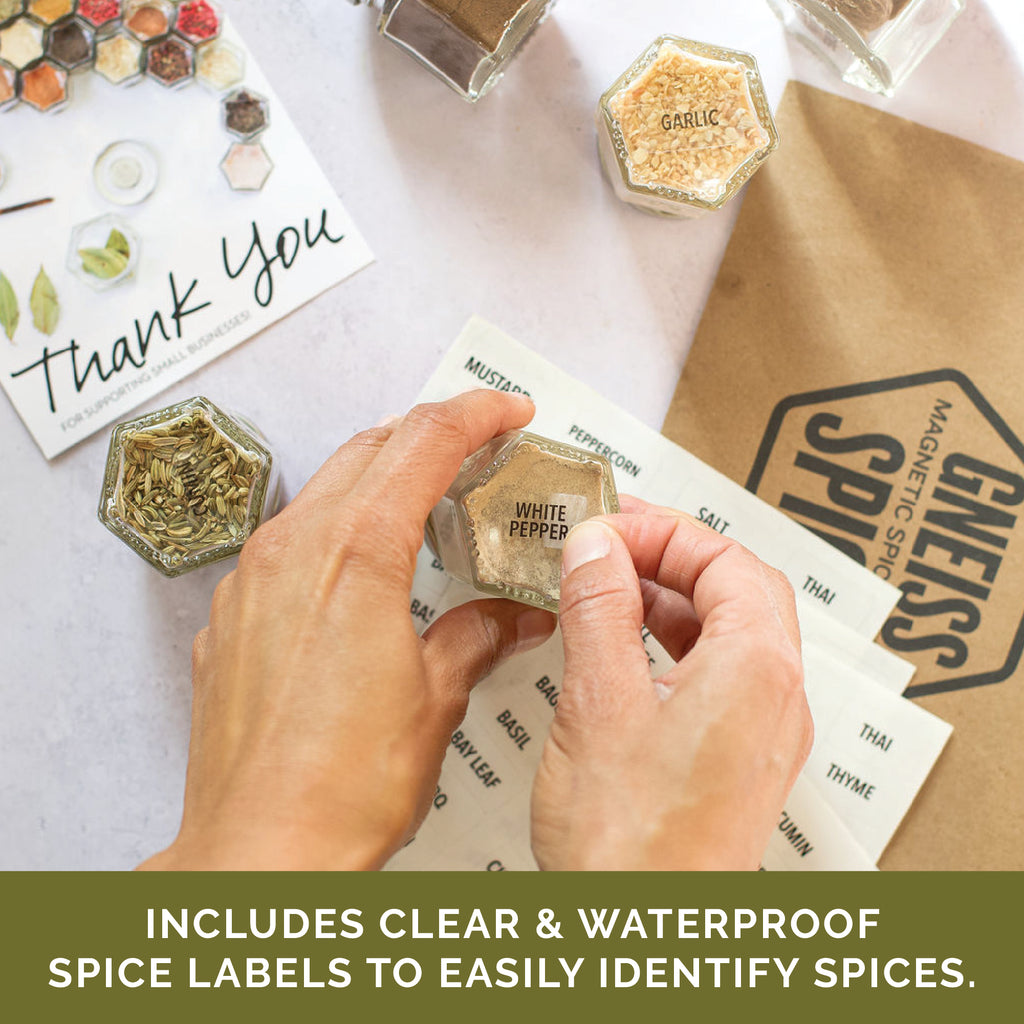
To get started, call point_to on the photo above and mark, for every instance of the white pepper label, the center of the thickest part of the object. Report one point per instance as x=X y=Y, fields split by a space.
x=548 y=522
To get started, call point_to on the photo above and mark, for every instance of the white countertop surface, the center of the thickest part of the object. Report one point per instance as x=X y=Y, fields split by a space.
x=498 y=209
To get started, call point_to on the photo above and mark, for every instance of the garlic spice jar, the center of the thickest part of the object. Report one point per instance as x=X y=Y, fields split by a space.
x=874 y=44
x=187 y=485
x=502 y=524
x=684 y=127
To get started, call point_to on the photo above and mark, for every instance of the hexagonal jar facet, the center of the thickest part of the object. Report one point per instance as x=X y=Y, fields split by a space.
x=170 y=62
x=45 y=87
x=119 y=59
x=49 y=11
x=198 y=21
x=187 y=485
x=21 y=42
x=502 y=524
x=247 y=166
x=88 y=260
x=100 y=14
x=684 y=127
x=246 y=114
x=220 y=65
x=71 y=44
x=148 y=19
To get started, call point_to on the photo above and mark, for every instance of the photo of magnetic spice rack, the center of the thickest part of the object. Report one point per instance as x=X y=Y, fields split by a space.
x=42 y=41
x=44 y=44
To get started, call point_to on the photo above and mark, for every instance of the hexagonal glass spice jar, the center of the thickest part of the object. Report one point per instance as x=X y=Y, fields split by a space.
x=71 y=44
x=198 y=21
x=22 y=42
x=684 y=127
x=103 y=252
x=873 y=44
x=119 y=59
x=187 y=485
x=44 y=86
x=148 y=19
x=220 y=65
x=246 y=166
x=502 y=524
x=245 y=114
x=102 y=15
x=170 y=62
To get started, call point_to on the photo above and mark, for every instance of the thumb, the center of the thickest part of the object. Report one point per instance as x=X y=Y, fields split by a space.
x=601 y=615
x=469 y=642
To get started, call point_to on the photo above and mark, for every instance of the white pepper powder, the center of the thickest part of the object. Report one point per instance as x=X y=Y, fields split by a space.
x=521 y=515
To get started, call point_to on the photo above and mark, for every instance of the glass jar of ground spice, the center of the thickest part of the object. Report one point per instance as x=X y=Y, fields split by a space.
x=246 y=114
x=502 y=524
x=45 y=87
x=873 y=44
x=148 y=19
x=466 y=43
x=684 y=127
x=71 y=44
x=187 y=485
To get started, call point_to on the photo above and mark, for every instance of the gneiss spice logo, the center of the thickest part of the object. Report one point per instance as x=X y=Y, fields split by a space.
x=920 y=480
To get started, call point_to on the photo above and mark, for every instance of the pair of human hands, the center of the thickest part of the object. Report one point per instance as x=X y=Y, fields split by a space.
x=320 y=719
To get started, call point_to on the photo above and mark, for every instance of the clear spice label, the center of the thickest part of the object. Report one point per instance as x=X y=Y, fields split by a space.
x=547 y=522
x=688 y=122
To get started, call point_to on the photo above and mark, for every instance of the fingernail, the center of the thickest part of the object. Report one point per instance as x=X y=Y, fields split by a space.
x=586 y=542
x=533 y=627
x=388 y=421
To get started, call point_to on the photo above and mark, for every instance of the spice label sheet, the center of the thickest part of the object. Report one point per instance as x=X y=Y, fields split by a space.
x=480 y=818
x=214 y=265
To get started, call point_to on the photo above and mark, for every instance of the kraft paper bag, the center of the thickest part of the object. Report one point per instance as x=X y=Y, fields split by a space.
x=860 y=364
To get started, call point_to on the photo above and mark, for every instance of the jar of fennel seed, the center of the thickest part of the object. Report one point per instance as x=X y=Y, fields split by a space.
x=188 y=485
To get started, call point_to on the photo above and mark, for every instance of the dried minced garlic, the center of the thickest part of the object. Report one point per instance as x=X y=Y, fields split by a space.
x=686 y=120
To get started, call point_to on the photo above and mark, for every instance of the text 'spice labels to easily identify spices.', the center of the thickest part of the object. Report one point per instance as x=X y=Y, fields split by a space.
x=503 y=522
x=187 y=485
x=684 y=127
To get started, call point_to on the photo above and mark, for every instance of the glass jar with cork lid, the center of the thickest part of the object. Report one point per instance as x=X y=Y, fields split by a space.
x=503 y=522
x=684 y=127
x=187 y=485
x=873 y=44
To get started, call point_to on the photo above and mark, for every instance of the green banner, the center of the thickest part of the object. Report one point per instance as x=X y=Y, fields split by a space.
x=504 y=947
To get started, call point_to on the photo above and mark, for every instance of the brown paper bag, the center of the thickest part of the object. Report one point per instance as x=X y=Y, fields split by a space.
x=860 y=364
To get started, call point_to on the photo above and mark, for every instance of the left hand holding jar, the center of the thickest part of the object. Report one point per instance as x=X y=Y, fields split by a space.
x=320 y=719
